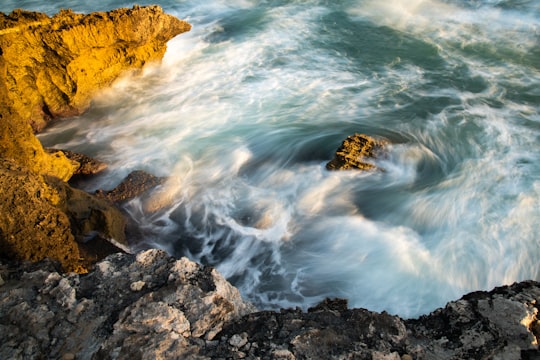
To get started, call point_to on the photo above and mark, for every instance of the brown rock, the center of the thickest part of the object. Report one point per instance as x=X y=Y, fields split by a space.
x=32 y=226
x=136 y=183
x=356 y=152
x=87 y=165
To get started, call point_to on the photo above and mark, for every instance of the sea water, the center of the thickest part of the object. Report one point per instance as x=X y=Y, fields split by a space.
x=245 y=110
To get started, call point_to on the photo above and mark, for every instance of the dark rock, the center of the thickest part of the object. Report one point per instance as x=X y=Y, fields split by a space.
x=135 y=184
x=356 y=152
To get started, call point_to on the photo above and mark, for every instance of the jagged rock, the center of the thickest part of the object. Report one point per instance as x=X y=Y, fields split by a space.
x=44 y=217
x=153 y=306
x=144 y=306
x=500 y=324
x=356 y=152
x=51 y=67
x=135 y=184
x=86 y=165
x=55 y=65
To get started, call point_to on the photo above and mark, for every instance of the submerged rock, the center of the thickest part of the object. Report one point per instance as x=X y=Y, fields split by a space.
x=356 y=152
x=154 y=306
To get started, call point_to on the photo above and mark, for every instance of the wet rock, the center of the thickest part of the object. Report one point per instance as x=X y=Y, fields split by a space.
x=135 y=184
x=356 y=152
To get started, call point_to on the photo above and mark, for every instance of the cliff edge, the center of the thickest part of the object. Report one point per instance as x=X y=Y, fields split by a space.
x=51 y=67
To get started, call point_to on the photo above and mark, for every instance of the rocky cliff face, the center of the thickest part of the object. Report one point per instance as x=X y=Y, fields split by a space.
x=152 y=306
x=55 y=65
x=49 y=68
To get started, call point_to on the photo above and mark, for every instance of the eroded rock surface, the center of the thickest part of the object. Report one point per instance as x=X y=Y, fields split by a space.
x=55 y=65
x=356 y=152
x=51 y=67
x=146 y=306
x=152 y=306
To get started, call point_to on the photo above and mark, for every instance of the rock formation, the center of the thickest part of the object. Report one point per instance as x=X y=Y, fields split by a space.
x=356 y=152
x=152 y=306
x=55 y=65
x=50 y=67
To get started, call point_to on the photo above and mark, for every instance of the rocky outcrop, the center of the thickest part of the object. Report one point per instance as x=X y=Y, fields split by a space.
x=51 y=67
x=152 y=306
x=356 y=152
x=44 y=217
x=147 y=306
x=55 y=65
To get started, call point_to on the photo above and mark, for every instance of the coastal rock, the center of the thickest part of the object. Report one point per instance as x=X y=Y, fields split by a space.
x=32 y=225
x=51 y=67
x=135 y=184
x=86 y=165
x=55 y=65
x=356 y=152
x=175 y=306
x=48 y=218
x=151 y=305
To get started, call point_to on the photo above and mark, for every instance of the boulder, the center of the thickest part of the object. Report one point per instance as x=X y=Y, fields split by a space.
x=356 y=152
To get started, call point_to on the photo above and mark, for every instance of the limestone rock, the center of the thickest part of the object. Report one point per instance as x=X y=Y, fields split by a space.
x=55 y=65
x=47 y=218
x=32 y=226
x=154 y=306
x=356 y=152
x=51 y=67
x=86 y=165
x=98 y=315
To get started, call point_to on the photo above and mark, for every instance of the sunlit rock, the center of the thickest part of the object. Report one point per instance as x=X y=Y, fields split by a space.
x=356 y=152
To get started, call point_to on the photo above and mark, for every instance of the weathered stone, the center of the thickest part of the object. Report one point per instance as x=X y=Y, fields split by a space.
x=87 y=165
x=356 y=152
x=98 y=315
x=55 y=65
x=136 y=183
x=185 y=310
x=51 y=67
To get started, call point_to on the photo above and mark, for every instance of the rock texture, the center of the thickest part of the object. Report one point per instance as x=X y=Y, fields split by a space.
x=44 y=217
x=148 y=306
x=356 y=152
x=151 y=306
x=51 y=67
x=55 y=65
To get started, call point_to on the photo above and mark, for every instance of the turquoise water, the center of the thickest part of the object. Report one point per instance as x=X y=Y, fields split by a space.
x=245 y=110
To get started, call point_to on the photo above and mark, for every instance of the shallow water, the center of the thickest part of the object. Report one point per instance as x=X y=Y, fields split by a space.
x=246 y=109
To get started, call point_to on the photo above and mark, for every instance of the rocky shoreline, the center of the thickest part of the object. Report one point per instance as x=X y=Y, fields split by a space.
x=66 y=289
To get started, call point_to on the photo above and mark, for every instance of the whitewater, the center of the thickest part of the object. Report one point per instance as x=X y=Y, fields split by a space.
x=245 y=110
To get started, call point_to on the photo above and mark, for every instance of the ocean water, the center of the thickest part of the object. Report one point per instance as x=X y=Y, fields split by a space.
x=246 y=109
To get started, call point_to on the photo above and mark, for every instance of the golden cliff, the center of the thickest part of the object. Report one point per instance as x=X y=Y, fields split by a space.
x=51 y=67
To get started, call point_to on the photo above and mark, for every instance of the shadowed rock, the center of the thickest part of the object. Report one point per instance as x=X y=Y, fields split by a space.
x=135 y=184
